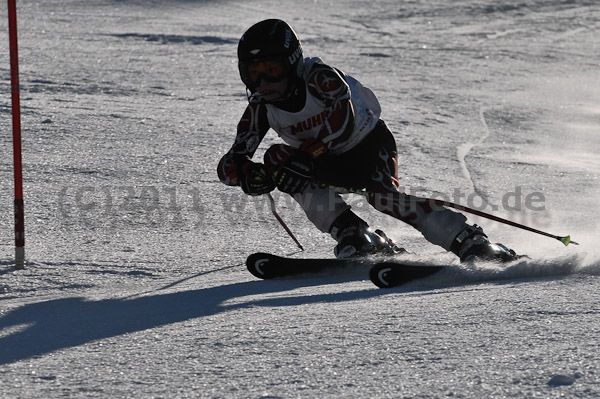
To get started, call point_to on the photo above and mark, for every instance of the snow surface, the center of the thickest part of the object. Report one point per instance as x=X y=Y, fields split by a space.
x=136 y=285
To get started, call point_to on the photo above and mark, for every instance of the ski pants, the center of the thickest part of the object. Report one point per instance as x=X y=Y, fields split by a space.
x=371 y=166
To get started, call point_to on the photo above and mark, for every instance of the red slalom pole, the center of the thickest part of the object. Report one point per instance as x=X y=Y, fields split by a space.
x=16 y=121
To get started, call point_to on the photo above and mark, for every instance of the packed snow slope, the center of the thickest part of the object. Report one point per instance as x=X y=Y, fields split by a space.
x=136 y=285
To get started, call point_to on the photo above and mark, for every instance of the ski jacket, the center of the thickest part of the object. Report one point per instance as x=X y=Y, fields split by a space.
x=338 y=112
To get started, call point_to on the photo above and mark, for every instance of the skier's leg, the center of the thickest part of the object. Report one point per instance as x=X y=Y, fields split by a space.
x=438 y=225
x=442 y=227
x=327 y=210
x=322 y=206
x=329 y=213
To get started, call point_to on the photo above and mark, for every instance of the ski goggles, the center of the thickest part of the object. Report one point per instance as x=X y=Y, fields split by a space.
x=271 y=69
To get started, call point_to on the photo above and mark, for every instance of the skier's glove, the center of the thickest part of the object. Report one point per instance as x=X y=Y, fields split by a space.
x=255 y=178
x=295 y=174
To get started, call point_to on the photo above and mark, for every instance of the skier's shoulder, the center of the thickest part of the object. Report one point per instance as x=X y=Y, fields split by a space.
x=315 y=65
x=312 y=62
x=323 y=80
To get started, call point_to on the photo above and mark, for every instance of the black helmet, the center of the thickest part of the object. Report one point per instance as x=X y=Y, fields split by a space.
x=271 y=50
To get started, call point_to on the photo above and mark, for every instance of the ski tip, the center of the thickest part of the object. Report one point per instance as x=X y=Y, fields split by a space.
x=567 y=240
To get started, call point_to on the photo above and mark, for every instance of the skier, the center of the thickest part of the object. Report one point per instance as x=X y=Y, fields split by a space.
x=334 y=137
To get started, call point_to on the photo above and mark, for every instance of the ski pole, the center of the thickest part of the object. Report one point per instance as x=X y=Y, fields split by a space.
x=282 y=223
x=566 y=240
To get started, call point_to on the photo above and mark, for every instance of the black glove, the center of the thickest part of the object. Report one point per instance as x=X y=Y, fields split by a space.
x=295 y=174
x=255 y=178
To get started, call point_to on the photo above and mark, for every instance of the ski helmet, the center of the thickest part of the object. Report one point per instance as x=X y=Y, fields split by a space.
x=270 y=50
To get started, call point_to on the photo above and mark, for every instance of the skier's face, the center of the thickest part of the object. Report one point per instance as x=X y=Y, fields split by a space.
x=272 y=90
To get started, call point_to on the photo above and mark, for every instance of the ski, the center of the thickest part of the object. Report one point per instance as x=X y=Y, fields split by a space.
x=267 y=266
x=394 y=274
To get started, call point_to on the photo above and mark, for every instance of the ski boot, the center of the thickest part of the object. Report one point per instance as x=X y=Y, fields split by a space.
x=472 y=244
x=355 y=238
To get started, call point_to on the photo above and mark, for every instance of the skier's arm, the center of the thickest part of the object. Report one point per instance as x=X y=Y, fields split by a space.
x=236 y=165
x=327 y=85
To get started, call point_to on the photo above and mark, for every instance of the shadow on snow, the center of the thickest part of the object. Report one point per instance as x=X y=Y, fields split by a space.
x=43 y=327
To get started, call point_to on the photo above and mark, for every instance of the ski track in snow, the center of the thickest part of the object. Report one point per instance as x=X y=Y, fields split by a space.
x=463 y=150
x=136 y=284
